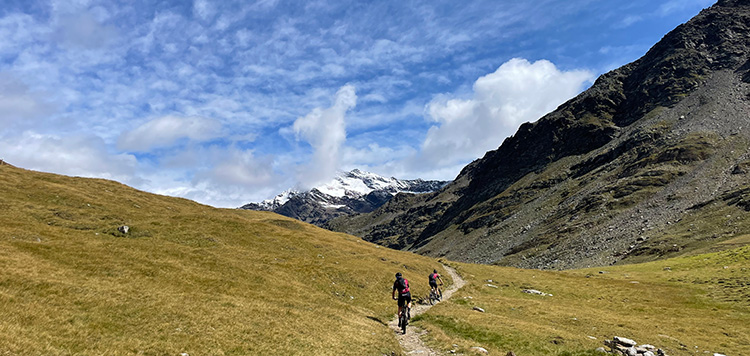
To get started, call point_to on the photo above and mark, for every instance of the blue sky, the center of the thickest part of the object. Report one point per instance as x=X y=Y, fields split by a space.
x=227 y=102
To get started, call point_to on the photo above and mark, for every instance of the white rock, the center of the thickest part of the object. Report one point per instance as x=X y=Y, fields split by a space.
x=625 y=341
x=491 y=285
x=479 y=309
x=534 y=291
x=480 y=350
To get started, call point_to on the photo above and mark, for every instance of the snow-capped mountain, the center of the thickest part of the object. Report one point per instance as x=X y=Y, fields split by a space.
x=271 y=204
x=348 y=193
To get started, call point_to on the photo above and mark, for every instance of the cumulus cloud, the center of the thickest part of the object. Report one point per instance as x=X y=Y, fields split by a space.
x=167 y=130
x=78 y=155
x=325 y=131
x=517 y=92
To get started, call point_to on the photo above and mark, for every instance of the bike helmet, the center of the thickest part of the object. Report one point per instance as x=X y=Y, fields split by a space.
x=398 y=274
x=434 y=271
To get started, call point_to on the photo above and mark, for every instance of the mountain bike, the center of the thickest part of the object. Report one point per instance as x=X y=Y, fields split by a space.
x=435 y=296
x=404 y=318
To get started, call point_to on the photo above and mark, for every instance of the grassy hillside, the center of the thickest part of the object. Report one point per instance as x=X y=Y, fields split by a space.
x=193 y=279
x=687 y=306
x=187 y=278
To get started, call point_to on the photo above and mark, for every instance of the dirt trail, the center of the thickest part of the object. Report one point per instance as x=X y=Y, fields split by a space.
x=411 y=342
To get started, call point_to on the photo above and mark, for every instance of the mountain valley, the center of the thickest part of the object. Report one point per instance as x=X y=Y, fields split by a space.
x=189 y=279
x=624 y=213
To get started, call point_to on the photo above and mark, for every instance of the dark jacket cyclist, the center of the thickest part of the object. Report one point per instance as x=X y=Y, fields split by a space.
x=401 y=285
x=434 y=277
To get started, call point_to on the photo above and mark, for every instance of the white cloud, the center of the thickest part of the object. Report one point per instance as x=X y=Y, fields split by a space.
x=517 y=92
x=203 y=9
x=325 y=131
x=19 y=105
x=374 y=155
x=244 y=37
x=219 y=176
x=672 y=6
x=166 y=130
x=78 y=155
x=82 y=30
x=628 y=21
x=235 y=167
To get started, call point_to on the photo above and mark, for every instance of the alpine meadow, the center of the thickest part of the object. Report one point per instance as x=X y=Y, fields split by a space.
x=605 y=212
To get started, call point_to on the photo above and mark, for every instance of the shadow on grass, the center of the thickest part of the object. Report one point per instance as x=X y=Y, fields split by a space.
x=378 y=320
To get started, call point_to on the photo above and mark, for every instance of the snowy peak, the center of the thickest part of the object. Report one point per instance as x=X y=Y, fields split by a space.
x=273 y=203
x=348 y=193
x=360 y=183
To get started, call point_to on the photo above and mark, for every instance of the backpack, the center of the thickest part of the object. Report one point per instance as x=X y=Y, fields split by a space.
x=402 y=285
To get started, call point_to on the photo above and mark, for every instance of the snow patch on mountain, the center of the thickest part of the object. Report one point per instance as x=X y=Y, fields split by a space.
x=360 y=183
x=275 y=202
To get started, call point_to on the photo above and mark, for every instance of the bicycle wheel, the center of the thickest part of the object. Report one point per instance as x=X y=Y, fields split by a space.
x=404 y=319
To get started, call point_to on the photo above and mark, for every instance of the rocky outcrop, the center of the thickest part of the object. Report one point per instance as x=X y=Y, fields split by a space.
x=617 y=173
x=628 y=347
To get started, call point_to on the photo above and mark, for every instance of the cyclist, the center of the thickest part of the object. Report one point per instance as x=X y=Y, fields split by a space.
x=434 y=277
x=404 y=295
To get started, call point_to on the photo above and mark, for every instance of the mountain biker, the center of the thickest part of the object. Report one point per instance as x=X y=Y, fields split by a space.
x=434 y=277
x=404 y=295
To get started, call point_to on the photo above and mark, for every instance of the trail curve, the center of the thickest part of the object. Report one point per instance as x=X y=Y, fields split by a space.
x=411 y=342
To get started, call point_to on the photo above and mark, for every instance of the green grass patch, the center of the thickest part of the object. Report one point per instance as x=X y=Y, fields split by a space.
x=694 y=302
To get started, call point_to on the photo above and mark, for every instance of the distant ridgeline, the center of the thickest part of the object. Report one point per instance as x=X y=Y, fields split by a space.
x=348 y=193
x=652 y=161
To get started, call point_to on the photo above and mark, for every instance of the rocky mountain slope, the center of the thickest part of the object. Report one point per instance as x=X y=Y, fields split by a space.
x=652 y=161
x=348 y=193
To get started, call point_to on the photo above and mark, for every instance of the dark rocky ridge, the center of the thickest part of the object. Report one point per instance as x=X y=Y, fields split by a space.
x=652 y=138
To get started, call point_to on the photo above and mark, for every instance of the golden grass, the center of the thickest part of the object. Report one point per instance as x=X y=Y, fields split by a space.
x=192 y=279
x=701 y=301
x=188 y=278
